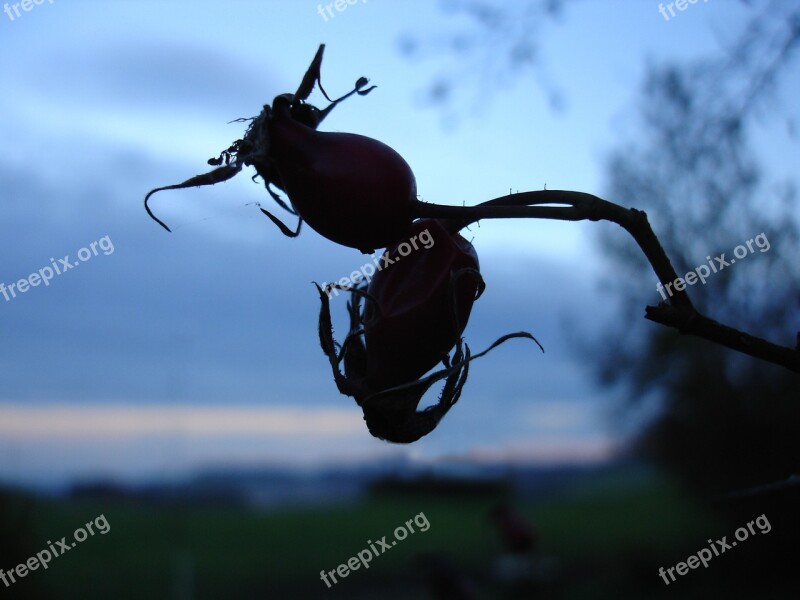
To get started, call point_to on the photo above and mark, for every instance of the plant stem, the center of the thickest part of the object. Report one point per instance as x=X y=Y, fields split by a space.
x=680 y=313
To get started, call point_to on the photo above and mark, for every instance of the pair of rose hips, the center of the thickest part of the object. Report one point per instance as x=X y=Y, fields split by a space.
x=359 y=192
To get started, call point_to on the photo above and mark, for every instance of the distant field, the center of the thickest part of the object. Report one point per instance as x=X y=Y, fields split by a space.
x=606 y=537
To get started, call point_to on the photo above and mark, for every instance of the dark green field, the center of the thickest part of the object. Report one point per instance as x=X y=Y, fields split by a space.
x=604 y=537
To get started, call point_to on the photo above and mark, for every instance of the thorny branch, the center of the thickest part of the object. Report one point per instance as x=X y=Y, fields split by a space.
x=680 y=313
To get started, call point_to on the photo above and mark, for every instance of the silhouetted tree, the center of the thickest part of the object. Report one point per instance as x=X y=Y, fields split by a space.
x=495 y=44
x=721 y=420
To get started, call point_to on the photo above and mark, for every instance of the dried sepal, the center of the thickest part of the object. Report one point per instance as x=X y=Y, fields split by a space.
x=391 y=414
x=212 y=177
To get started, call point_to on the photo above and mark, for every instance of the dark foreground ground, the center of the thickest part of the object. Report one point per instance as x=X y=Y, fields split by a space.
x=599 y=537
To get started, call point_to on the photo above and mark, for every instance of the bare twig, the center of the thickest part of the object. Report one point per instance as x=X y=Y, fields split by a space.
x=694 y=323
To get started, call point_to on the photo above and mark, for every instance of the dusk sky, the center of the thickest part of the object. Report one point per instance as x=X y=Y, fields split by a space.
x=163 y=352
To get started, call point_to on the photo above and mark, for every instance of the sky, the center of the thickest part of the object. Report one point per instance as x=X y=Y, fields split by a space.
x=163 y=353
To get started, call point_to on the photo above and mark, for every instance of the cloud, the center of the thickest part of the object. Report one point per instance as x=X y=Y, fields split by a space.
x=548 y=450
x=91 y=422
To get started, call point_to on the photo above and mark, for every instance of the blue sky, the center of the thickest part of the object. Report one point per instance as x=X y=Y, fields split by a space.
x=199 y=347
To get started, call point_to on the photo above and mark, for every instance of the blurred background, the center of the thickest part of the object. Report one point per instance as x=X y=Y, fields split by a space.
x=175 y=384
